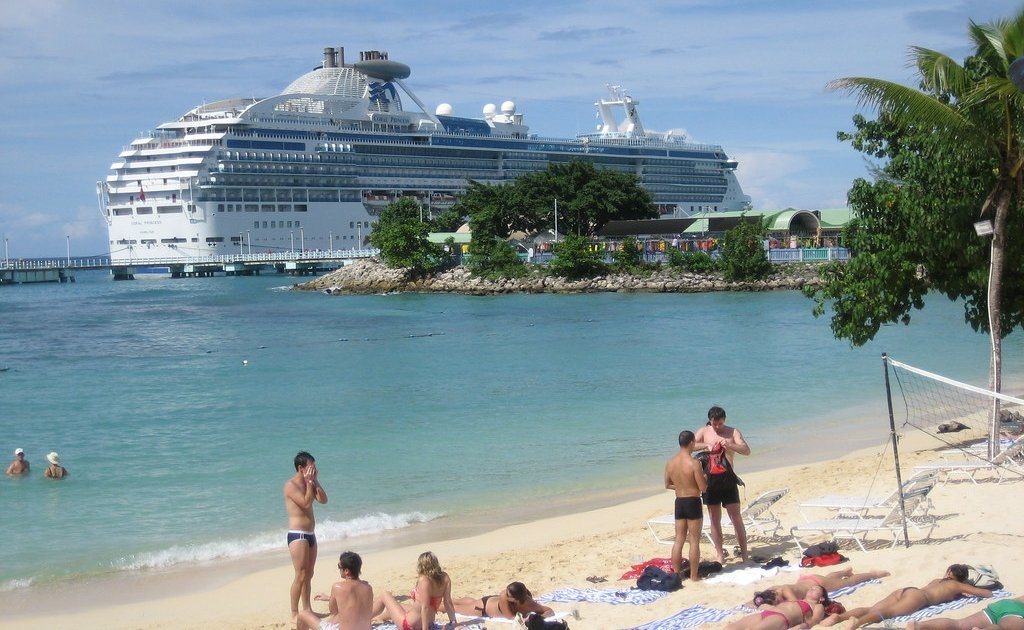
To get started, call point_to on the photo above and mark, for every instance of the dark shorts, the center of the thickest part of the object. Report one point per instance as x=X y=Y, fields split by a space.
x=689 y=508
x=722 y=490
x=295 y=534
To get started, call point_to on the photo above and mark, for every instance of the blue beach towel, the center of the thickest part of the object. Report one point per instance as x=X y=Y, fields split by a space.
x=691 y=617
x=956 y=604
x=846 y=590
x=598 y=596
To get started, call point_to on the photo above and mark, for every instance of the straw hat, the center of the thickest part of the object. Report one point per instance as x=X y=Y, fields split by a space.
x=53 y=458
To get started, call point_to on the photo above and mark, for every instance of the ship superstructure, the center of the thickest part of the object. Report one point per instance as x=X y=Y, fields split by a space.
x=312 y=167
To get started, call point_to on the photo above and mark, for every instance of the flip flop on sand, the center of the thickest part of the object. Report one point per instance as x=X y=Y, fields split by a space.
x=594 y=579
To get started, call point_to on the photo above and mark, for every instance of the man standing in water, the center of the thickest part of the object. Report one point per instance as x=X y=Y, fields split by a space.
x=723 y=489
x=299 y=493
x=20 y=465
x=684 y=475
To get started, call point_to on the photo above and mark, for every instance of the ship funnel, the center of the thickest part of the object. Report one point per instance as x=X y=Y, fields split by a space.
x=330 y=57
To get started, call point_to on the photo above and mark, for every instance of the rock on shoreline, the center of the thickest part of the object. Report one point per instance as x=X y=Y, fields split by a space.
x=372 y=276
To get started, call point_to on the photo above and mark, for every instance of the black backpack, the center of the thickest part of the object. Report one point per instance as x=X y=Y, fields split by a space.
x=538 y=622
x=657 y=579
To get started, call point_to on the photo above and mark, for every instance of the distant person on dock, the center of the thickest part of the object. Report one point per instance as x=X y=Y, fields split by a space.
x=433 y=589
x=20 y=465
x=54 y=470
x=299 y=493
x=350 y=600
x=684 y=475
x=723 y=490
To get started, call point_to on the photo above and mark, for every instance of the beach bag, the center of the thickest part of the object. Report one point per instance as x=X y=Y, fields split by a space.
x=983 y=576
x=538 y=622
x=823 y=560
x=656 y=579
x=821 y=548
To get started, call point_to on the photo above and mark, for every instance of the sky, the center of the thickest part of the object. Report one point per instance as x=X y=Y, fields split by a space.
x=82 y=79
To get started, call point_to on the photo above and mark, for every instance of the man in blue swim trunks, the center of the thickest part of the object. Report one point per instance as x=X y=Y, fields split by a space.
x=299 y=493
x=684 y=474
x=1005 y=614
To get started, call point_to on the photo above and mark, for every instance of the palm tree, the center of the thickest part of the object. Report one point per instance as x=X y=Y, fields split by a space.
x=976 y=106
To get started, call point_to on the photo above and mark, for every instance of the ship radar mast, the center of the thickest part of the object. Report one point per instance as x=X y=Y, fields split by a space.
x=630 y=127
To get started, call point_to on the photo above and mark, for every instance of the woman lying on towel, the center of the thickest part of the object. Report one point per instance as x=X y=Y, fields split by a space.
x=830 y=582
x=911 y=599
x=516 y=598
x=1004 y=614
x=804 y=612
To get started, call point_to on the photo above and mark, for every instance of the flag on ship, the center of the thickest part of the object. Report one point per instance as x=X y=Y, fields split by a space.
x=142 y=193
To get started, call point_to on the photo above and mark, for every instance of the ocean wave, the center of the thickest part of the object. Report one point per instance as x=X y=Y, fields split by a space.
x=327 y=530
x=13 y=585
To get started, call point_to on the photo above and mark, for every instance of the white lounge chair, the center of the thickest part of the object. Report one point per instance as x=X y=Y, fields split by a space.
x=862 y=505
x=857 y=528
x=757 y=518
x=1004 y=465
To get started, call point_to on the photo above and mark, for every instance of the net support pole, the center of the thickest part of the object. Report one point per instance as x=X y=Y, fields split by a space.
x=895 y=448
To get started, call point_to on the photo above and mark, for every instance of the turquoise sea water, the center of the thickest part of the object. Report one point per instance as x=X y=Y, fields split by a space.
x=178 y=405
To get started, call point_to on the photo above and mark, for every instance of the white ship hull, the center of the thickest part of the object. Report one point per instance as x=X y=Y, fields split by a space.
x=311 y=168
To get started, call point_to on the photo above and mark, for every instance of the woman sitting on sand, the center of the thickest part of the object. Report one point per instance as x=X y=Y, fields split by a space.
x=516 y=598
x=1005 y=614
x=433 y=587
x=830 y=582
x=905 y=601
x=804 y=612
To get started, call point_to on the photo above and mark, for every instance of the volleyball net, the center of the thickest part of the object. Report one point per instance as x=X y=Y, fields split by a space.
x=949 y=409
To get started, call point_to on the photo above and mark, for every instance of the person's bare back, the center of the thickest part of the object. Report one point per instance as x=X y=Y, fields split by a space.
x=684 y=476
x=350 y=602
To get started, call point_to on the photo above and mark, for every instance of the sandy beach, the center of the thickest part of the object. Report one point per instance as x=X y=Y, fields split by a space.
x=974 y=526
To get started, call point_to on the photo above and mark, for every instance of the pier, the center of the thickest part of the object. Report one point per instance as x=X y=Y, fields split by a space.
x=293 y=263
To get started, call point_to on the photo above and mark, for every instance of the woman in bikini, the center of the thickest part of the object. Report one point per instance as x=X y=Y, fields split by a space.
x=433 y=588
x=1005 y=614
x=830 y=582
x=911 y=599
x=805 y=613
x=516 y=598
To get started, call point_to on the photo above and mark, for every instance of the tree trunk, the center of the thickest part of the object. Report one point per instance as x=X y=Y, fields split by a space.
x=995 y=283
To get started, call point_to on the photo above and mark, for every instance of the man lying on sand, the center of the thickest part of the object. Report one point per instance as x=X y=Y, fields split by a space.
x=1007 y=614
x=910 y=599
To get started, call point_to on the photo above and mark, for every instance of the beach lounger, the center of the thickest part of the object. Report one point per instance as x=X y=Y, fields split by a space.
x=758 y=519
x=854 y=506
x=1005 y=465
x=857 y=528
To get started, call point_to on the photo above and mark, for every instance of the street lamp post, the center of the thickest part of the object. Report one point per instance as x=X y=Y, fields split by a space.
x=302 y=240
x=359 y=236
x=248 y=242
x=292 y=236
x=330 y=239
x=7 y=261
x=241 y=245
x=68 y=237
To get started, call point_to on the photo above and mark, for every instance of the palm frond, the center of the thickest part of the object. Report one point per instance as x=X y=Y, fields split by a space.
x=903 y=103
x=939 y=72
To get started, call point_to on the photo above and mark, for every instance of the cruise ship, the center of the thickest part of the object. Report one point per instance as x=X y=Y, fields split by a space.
x=312 y=167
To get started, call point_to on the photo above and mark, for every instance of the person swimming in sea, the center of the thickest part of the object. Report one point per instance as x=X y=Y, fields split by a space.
x=910 y=599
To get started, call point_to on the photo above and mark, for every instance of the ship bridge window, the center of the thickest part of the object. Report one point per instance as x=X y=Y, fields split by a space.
x=214 y=239
x=144 y=210
x=284 y=207
x=300 y=207
x=168 y=210
x=267 y=207
x=122 y=212
x=176 y=239
x=252 y=207
x=149 y=241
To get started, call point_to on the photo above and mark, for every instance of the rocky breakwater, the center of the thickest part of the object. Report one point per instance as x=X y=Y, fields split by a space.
x=371 y=276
